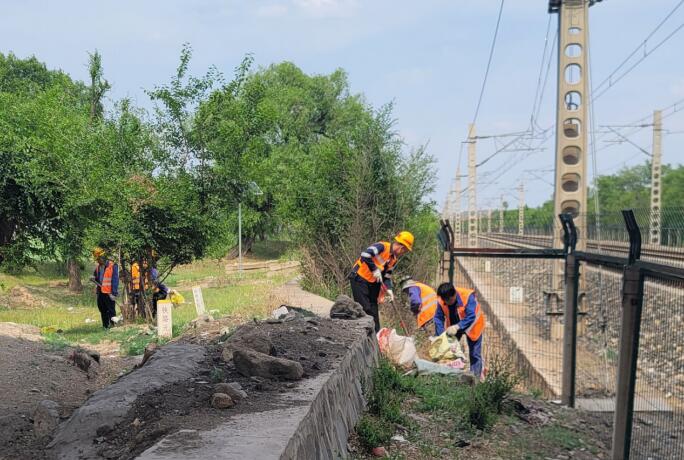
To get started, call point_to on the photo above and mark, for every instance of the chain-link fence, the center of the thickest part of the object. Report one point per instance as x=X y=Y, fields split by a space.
x=519 y=323
x=658 y=423
x=524 y=298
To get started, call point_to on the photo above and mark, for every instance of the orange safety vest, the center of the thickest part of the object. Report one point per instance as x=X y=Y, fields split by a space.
x=382 y=260
x=475 y=330
x=428 y=306
x=135 y=276
x=107 y=278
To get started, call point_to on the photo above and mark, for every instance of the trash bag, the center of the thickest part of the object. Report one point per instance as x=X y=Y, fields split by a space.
x=397 y=348
x=445 y=348
x=426 y=367
x=176 y=298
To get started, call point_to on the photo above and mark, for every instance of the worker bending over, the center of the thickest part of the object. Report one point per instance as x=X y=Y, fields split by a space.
x=374 y=268
x=106 y=276
x=159 y=290
x=460 y=313
x=422 y=298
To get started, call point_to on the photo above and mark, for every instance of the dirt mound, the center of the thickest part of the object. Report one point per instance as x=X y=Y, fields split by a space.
x=316 y=344
x=20 y=331
x=24 y=297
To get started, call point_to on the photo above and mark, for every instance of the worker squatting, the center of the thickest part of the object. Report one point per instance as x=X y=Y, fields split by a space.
x=453 y=310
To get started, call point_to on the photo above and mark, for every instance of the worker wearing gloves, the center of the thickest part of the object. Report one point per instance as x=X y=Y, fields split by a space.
x=423 y=300
x=460 y=313
x=373 y=269
x=106 y=276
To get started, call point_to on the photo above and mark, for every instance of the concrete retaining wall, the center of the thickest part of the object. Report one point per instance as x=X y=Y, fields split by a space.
x=315 y=425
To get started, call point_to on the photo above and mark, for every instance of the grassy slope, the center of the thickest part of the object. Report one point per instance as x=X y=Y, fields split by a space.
x=247 y=297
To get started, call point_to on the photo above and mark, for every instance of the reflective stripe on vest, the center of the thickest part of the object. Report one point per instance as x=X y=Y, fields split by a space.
x=107 y=278
x=381 y=259
x=428 y=306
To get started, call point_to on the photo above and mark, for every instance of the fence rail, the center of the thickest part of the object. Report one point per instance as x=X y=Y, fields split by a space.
x=613 y=342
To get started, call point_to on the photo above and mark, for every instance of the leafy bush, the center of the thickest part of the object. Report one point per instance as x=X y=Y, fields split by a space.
x=374 y=431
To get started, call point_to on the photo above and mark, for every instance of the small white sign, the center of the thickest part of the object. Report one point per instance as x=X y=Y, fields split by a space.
x=516 y=294
x=199 y=300
x=164 y=319
x=488 y=266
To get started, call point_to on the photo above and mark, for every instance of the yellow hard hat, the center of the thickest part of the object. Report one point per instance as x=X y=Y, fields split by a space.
x=406 y=239
x=98 y=252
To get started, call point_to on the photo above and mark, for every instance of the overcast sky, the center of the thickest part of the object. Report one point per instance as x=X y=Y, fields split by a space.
x=427 y=56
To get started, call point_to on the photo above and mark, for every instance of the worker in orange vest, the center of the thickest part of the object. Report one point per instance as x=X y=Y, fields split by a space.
x=138 y=286
x=106 y=276
x=460 y=313
x=373 y=269
x=423 y=300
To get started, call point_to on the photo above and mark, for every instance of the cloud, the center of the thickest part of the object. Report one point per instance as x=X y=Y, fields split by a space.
x=272 y=11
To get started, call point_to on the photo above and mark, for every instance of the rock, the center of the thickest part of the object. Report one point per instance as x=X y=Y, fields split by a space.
x=234 y=391
x=227 y=354
x=81 y=360
x=254 y=341
x=136 y=423
x=221 y=401
x=95 y=356
x=379 y=452
x=150 y=350
x=203 y=318
x=278 y=313
x=399 y=438
x=346 y=308
x=45 y=418
x=249 y=362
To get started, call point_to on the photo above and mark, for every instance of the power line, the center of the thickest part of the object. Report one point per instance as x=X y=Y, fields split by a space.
x=486 y=75
x=489 y=61
x=609 y=79
x=541 y=72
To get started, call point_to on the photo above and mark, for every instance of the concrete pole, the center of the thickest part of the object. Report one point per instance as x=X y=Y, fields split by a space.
x=472 y=188
x=572 y=99
x=521 y=209
x=240 y=238
x=501 y=215
x=457 y=206
x=654 y=231
x=489 y=220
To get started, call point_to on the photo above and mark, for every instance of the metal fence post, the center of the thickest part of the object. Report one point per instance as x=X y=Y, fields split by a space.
x=632 y=301
x=570 y=314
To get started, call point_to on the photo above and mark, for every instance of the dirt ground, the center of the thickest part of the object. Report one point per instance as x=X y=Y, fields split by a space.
x=31 y=372
x=318 y=344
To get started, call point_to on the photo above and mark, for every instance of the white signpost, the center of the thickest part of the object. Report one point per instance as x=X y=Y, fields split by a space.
x=164 y=318
x=516 y=294
x=199 y=300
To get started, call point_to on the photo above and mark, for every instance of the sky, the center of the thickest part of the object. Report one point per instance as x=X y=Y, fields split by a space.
x=427 y=57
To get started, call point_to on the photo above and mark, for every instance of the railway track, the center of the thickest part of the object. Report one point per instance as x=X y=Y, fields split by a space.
x=660 y=254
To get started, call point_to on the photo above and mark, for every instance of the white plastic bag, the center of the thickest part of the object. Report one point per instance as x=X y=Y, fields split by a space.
x=397 y=348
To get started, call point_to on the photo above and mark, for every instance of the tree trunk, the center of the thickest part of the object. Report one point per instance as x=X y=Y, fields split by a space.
x=74 y=270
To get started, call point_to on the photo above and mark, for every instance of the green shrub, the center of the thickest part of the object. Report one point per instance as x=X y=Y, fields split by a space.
x=374 y=431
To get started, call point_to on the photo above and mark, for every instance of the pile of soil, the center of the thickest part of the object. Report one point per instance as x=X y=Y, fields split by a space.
x=317 y=344
x=32 y=372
